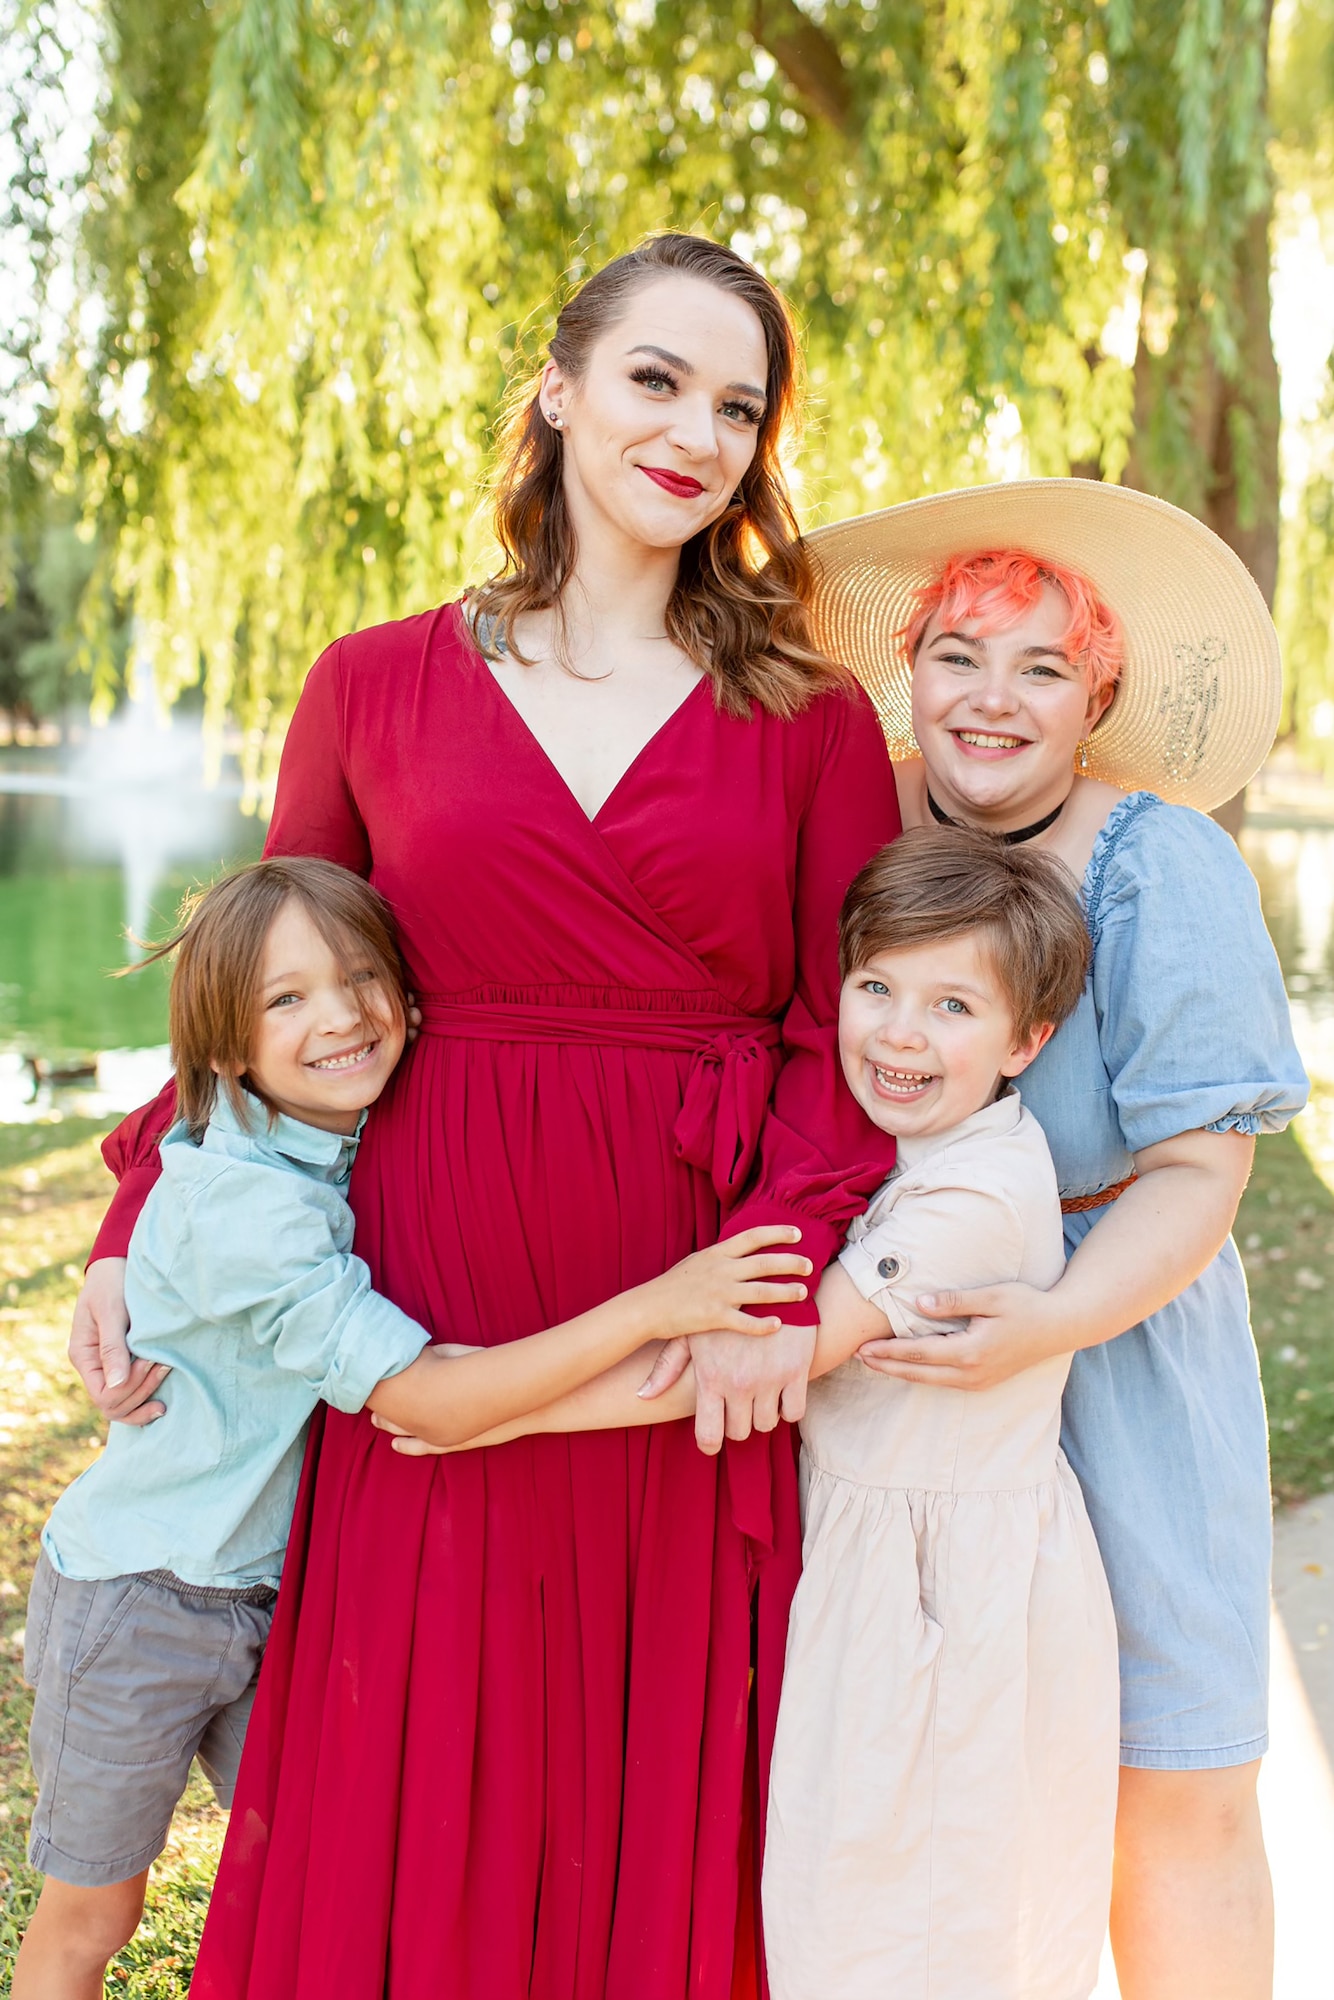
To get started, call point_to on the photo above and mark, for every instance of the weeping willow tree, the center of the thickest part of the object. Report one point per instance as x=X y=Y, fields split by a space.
x=1304 y=108
x=318 y=235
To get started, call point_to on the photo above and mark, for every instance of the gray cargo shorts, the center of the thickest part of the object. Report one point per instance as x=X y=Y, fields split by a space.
x=135 y=1676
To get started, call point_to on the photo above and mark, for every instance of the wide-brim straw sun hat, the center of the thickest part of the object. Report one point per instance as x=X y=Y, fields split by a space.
x=1198 y=701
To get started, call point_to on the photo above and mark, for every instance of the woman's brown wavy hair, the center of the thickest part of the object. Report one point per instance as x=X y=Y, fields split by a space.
x=739 y=605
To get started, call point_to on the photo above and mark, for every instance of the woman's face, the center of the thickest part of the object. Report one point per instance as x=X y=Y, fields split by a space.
x=1000 y=718
x=664 y=422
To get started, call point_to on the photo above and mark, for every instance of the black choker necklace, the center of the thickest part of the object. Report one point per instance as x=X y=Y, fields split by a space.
x=1020 y=833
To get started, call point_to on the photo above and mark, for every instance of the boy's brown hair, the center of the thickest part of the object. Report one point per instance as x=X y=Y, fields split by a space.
x=937 y=882
x=219 y=951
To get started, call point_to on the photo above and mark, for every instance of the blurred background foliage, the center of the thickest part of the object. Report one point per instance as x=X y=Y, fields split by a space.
x=276 y=304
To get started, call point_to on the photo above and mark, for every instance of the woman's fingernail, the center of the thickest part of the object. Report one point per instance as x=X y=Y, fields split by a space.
x=116 y=1376
x=927 y=1301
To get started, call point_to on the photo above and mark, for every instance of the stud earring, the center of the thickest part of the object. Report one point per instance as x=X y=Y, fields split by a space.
x=553 y=420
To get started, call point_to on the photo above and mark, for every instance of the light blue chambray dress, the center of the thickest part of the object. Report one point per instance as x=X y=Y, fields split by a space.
x=1183 y=1024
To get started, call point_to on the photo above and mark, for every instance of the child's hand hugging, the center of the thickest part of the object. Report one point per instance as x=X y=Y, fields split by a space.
x=449 y=1398
x=713 y=1290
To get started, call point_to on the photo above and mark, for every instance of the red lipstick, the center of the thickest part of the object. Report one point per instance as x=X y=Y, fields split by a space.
x=673 y=482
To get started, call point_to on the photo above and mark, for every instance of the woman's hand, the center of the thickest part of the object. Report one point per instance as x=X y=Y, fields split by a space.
x=740 y=1385
x=709 y=1291
x=120 y=1386
x=744 y=1385
x=1011 y=1327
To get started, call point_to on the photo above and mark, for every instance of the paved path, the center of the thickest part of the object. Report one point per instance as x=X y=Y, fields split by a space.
x=1297 y=1779
x=1297 y=1783
x=1304 y=1595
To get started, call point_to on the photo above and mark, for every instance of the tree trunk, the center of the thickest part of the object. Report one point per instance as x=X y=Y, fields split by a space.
x=1222 y=462
x=808 y=57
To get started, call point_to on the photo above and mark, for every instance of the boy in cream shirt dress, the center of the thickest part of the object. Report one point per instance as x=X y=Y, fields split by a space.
x=943 y=1789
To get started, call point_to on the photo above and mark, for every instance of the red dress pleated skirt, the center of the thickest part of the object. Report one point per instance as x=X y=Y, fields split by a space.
x=500 y=1752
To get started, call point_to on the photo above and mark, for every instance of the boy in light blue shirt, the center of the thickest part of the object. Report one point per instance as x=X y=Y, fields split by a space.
x=289 y=1322
x=153 y=1596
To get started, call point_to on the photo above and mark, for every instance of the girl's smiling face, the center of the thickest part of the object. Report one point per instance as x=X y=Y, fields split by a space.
x=327 y=1035
x=999 y=717
x=926 y=1036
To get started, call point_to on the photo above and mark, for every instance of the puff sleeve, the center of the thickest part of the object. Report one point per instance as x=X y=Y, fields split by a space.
x=1192 y=1016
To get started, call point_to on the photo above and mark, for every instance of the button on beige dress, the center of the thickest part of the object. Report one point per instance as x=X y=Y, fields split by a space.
x=944 y=1775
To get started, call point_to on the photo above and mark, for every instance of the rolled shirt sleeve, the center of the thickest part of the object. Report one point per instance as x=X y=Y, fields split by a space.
x=932 y=1240
x=310 y=1303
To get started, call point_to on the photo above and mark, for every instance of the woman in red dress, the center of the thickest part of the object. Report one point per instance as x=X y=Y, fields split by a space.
x=506 y=1734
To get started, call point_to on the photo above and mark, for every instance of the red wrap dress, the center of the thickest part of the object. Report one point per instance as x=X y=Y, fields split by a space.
x=500 y=1747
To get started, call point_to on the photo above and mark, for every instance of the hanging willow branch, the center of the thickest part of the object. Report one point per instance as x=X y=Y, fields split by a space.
x=320 y=227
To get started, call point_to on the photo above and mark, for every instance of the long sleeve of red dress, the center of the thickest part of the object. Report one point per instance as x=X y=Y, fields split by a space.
x=820 y=1158
x=131 y=1152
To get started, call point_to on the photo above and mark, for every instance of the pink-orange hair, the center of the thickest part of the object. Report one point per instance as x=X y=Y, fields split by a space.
x=998 y=587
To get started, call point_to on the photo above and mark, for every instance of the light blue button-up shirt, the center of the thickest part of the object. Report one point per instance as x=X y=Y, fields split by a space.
x=241 y=1278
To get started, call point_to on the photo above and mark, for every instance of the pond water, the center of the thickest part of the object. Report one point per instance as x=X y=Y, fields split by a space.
x=102 y=839
x=1294 y=866
x=98 y=843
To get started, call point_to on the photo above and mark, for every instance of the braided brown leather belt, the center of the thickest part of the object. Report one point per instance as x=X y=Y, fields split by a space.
x=1079 y=1204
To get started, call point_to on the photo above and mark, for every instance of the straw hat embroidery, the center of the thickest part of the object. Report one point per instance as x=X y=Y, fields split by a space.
x=1188 y=708
x=1198 y=701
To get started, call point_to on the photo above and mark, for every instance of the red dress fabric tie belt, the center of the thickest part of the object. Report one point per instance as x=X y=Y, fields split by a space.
x=736 y=1058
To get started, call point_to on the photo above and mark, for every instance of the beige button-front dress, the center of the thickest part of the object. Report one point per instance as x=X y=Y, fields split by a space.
x=944 y=1776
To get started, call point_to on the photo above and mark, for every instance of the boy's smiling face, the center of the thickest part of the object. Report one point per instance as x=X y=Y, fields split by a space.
x=326 y=1039
x=926 y=1035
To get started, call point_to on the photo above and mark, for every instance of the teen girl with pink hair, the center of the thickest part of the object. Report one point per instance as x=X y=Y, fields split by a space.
x=1074 y=666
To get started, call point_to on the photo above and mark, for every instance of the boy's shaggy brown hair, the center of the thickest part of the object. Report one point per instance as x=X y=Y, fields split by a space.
x=938 y=882
x=219 y=951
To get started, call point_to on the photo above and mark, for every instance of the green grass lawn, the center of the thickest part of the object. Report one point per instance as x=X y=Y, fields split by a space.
x=53 y=1188
x=1286 y=1234
x=52 y=1191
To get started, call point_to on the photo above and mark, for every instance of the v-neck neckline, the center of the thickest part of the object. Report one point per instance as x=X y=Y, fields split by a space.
x=590 y=819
